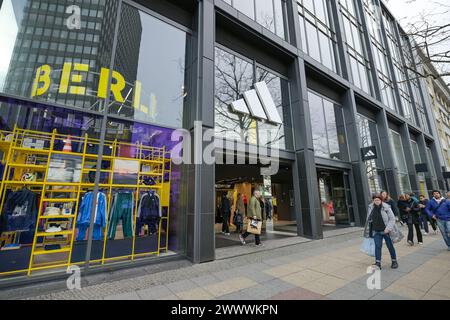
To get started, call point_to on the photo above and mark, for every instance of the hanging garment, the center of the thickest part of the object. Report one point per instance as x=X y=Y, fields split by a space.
x=20 y=213
x=121 y=209
x=149 y=212
x=84 y=215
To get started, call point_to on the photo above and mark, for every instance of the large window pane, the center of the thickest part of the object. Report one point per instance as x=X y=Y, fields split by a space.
x=234 y=77
x=49 y=61
x=328 y=128
x=268 y=13
x=153 y=80
x=52 y=180
x=400 y=161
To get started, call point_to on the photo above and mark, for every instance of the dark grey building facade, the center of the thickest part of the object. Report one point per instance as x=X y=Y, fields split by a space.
x=355 y=121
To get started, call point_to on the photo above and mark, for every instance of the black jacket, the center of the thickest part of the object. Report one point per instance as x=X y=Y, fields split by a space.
x=20 y=211
x=225 y=208
x=393 y=207
x=409 y=216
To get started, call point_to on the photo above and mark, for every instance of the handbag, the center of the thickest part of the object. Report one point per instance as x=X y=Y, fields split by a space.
x=396 y=234
x=368 y=247
x=254 y=226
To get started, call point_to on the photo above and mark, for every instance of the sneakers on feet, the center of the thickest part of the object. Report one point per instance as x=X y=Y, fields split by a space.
x=420 y=243
x=241 y=238
x=227 y=234
x=425 y=233
x=260 y=245
x=394 y=265
x=377 y=265
x=410 y=243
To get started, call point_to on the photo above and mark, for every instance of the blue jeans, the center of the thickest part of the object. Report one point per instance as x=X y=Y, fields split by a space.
x=378 y=237
x=444 y=226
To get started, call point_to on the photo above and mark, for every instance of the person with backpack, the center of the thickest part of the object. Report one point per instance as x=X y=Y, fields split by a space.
x=438 y=209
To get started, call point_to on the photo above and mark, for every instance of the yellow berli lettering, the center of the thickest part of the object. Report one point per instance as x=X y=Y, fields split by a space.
x=116 y=88
x=43 y=78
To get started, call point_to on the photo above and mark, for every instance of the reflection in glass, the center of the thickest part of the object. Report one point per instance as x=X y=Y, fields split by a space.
x=317 y=32
x=328 y=128
x=368 y=133
x=41 y=58
x=234 y=76
x=268 y=13
x=400 y=161
x=150 y=66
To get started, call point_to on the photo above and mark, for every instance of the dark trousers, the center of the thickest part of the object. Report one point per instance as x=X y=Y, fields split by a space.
x=378 y=238
x=411 y=232
x=425 y=219
x=225 y=225
x=257 y=237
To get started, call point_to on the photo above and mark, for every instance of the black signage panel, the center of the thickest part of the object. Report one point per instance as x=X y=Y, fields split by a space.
x=369 y=153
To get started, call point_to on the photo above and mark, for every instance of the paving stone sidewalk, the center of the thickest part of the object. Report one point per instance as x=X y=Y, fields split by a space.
x=332 y=268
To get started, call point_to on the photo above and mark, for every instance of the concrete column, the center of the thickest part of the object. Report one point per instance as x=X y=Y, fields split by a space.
x=200 y=245
x=306 y=187
x=362 y=197
x=424 y=155
x=407 y=146
x=393 y=185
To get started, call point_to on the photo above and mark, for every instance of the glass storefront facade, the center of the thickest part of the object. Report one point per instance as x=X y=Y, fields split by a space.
x=91 y=93
x=88 y=129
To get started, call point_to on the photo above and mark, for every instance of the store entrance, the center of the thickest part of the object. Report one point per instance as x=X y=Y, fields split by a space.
x=335 y=198
x=233 y=181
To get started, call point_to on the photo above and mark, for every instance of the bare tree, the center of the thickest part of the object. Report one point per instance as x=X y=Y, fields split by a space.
x=429 y=34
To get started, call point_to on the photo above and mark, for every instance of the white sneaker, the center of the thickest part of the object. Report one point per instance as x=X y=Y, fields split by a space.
x=425 y=233
x=420 y=243
x=53 y=230
x=241 y=238
x=410 y=243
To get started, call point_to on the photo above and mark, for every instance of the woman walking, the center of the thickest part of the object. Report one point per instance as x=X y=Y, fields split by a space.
x=388 y=200
x=380 y=223
x=414 y=221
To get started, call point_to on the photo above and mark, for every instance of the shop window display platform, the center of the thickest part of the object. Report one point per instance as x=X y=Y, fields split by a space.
x=58 y=170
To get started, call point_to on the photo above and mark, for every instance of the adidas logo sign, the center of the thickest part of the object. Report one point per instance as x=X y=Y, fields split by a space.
x=259 y=104
x=370 y=154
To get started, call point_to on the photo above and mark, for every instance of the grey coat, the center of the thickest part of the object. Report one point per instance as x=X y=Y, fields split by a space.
x=388 y=218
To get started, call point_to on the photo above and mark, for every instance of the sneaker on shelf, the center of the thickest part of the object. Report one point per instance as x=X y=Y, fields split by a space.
x=52 y=211
x=410 y=243
x=53 y=230
x=241 y=238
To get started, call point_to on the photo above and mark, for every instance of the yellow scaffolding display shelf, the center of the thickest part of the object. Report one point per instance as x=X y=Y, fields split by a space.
x=16 y=153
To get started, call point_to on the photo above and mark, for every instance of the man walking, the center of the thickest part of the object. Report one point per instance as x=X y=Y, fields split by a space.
x=438 y=209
